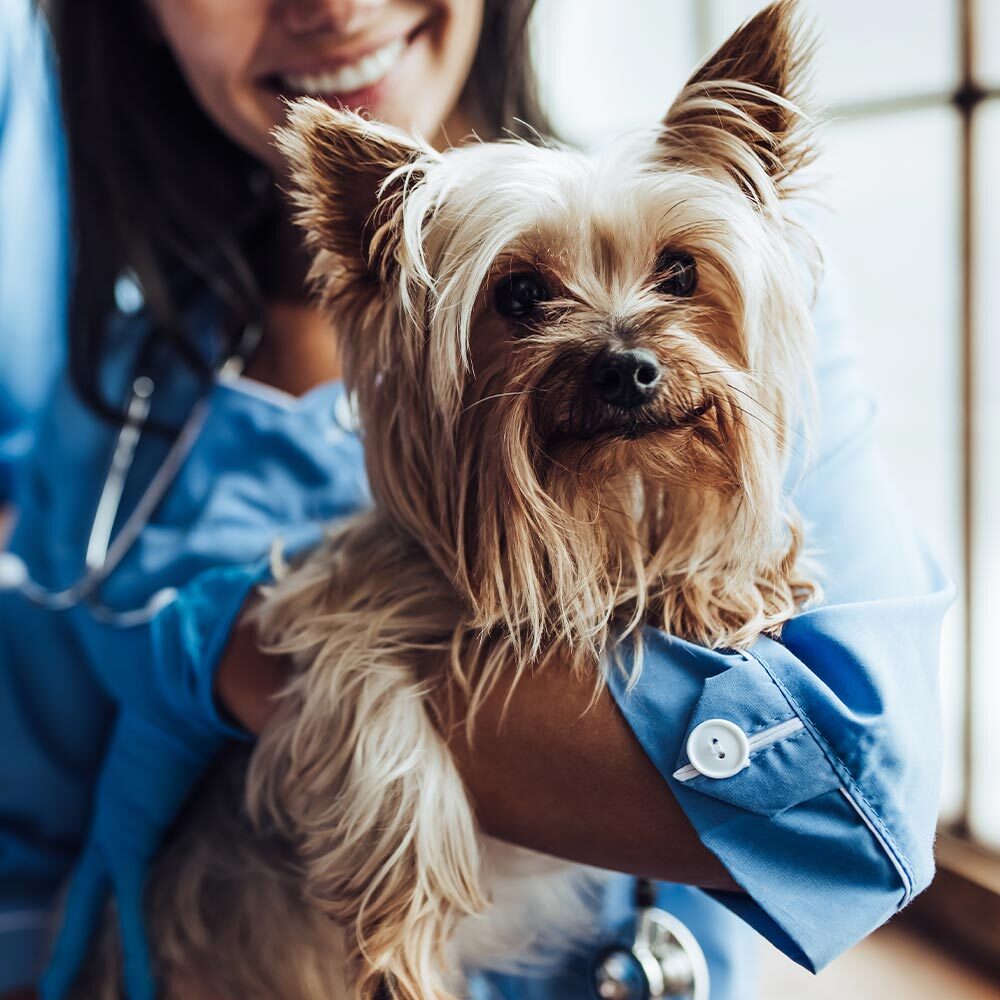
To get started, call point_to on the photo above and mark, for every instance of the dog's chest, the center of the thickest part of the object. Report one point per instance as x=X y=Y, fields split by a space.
x=539 y=906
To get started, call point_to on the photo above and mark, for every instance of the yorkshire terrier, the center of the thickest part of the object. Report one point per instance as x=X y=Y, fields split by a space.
x=579 y=380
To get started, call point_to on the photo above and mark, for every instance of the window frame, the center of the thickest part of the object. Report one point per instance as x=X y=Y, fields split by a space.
x=961 y=908
x=962 y=905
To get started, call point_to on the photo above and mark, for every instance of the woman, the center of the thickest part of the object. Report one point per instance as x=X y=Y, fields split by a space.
x=114 y=706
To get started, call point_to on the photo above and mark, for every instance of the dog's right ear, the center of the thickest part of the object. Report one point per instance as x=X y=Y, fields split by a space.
x=348 y=175
x=741 y=112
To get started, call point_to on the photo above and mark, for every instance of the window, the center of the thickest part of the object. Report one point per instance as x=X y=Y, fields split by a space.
x=912 y=97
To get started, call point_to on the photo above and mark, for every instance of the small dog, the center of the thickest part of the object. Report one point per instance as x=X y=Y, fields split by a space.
x=578 y=380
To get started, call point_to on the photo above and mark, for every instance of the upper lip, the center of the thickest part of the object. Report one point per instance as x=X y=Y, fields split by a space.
x=633 y=426
x=333 y=61
x=639 y=426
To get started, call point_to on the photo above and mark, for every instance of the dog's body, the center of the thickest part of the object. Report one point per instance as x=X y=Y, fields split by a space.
x=226 y=906
x=578 y=381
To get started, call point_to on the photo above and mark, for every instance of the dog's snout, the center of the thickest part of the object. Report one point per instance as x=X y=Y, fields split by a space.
x=626 y=378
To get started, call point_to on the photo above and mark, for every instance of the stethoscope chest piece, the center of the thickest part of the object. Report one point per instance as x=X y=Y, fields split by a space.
x=665 y=960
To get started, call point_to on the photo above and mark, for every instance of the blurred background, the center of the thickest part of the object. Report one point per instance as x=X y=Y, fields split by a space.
x=911 y=97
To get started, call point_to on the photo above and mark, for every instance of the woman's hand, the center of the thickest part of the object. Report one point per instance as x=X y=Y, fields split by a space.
x=553 y=776
x=247 y=679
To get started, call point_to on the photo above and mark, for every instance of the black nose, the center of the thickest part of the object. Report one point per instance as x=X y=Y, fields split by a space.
x=626 y=378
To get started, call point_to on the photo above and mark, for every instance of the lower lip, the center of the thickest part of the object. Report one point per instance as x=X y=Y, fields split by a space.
x=370 y=97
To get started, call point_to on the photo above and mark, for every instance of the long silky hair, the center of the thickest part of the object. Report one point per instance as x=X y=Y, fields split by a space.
x=159 y=191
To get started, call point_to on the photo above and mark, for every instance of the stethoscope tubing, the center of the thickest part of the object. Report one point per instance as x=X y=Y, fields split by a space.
x=122 y=457
x=102 y=557
x=105 y=551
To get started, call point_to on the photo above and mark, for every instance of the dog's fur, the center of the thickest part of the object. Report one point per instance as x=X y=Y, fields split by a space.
x=518 y=521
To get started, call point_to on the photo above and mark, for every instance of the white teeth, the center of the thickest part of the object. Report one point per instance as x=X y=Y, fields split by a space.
x=366 y=72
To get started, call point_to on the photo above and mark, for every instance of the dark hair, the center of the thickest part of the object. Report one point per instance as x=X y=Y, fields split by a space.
x=158 y=190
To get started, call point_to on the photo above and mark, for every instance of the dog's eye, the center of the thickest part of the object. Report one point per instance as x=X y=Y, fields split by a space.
x=677 y=273
x=517 y=296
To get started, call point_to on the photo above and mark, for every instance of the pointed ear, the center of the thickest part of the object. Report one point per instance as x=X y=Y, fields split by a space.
x=348 y=176
x=741 y=110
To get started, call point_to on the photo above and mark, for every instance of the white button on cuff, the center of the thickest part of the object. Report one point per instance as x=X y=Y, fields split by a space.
x=718 y=748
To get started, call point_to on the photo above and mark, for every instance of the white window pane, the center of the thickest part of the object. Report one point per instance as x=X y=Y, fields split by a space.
x=604 y=68
x=985 y=818
x=987 y=41
x=871 y=48
x=893 y=185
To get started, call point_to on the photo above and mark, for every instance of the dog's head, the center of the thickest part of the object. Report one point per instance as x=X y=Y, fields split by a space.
x=577 y=375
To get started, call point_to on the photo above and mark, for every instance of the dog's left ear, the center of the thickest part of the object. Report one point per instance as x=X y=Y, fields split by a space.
x=741 y=110
x=348 y=174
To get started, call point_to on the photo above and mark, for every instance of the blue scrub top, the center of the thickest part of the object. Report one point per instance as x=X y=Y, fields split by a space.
x=829 y=828
x=33 y=231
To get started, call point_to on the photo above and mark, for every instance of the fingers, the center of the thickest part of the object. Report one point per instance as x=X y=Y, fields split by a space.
x=84 y=909
x=84 y=906
x=129 y=879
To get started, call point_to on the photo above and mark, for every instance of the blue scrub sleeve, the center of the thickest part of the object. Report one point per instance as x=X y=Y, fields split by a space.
x=167 y=732
x=829 y=827
x=33 y=231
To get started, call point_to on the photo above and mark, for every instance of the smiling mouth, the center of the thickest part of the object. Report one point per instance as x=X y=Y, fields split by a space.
x=344 y=79
x=634 y=427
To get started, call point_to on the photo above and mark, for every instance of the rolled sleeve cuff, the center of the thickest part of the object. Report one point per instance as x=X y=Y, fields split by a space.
x=817 y=873
x=24 y=939
x=189 y=636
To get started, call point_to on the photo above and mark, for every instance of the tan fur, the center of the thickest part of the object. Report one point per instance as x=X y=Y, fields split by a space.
x=516 y=523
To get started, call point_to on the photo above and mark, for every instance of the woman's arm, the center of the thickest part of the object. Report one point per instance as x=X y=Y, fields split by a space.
x=829 y=828
x=554 y=776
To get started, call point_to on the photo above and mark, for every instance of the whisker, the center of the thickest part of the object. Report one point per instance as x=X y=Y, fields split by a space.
x=773 y=429
x=558 y=465
x=498 y=395
x=793 y=431
x=738 y=371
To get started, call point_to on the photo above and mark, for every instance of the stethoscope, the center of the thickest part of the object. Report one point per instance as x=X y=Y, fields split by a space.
x=664 y=959
x=104 y=552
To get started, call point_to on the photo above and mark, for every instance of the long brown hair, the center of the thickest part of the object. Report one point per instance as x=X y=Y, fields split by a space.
x=159 y=191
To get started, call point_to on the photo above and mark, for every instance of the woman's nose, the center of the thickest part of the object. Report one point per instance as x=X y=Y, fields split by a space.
x=342 y=17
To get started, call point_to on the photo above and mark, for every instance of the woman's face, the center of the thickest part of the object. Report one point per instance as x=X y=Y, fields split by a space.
x=406 y=61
